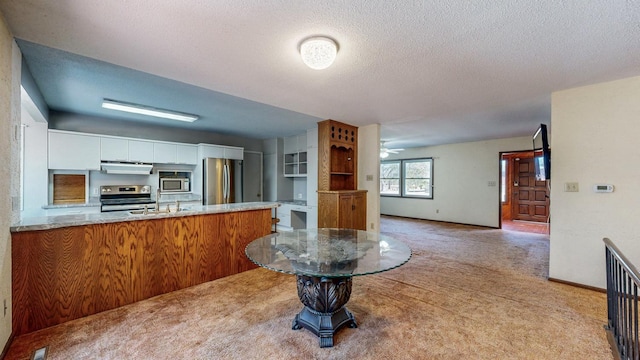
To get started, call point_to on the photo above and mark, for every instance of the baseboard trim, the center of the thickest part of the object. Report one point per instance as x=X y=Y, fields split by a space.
x=578 y=285
x=6 y=346
x=441 y=221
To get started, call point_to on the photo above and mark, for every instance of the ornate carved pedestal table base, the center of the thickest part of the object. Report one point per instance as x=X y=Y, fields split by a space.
x=324 y=262
x=324 y=312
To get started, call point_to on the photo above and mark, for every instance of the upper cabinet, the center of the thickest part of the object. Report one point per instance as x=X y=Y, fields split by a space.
x=295 y=156
x=119 y=149
x=221 y=152
x=337 y=156
x=71 y=151
x=186 y=154
x=172 y=153
x=68 y=150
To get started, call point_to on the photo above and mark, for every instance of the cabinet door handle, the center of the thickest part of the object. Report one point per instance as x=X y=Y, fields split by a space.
x=353 y=207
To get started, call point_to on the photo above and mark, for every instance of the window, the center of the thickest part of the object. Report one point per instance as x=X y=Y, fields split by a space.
x=390 y=178
x=407 y=178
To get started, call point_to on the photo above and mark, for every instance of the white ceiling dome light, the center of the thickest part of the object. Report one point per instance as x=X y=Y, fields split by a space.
x=318 y=52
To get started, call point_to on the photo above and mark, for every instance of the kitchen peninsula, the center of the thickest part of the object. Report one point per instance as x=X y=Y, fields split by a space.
x=67 y=267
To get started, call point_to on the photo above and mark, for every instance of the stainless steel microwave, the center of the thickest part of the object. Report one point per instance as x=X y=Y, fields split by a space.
x=173 y=184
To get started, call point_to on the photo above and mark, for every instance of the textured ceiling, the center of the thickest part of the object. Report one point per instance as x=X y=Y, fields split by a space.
x=430 y=72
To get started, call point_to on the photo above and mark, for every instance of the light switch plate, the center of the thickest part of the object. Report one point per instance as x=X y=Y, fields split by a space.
x=571 y=187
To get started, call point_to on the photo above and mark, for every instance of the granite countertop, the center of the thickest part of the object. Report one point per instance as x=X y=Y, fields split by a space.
x=293 y=202
x=53 y=222
x=94 y=201
x=172 y=198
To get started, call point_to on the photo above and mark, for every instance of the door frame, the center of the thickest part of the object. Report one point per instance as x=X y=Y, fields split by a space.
x=509 y=184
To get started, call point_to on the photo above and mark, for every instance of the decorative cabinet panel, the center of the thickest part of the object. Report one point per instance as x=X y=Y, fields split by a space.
x=69 y=151
x=342 y=209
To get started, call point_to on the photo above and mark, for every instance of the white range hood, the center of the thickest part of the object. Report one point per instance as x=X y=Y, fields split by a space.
x=126 y=168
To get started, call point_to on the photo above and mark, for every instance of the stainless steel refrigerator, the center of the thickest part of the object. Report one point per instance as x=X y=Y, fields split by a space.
x=222 y=181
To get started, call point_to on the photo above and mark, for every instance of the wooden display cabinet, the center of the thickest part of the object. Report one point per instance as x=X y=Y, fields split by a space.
x=337 y=156
x=342 y=209
x=340 y=204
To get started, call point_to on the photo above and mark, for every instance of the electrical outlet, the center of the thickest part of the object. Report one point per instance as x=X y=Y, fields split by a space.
x=437 y=211
x=369 y=177
x=491 y=183
x=372 y=226
x=571 y=187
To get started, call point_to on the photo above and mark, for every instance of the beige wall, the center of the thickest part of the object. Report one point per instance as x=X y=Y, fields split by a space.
x=9 y=156
x=369 y=164
x=461 y=177
x=596 y=130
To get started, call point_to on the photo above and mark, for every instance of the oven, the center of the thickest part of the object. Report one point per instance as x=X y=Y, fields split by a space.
x=125 y=198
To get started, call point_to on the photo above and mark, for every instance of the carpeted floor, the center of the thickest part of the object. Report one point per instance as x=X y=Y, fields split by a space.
x=467 y=293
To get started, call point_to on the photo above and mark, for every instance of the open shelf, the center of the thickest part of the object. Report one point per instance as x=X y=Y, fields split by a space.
x=295 y=164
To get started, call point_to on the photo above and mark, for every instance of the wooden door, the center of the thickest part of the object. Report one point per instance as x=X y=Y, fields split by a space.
x=530 y=197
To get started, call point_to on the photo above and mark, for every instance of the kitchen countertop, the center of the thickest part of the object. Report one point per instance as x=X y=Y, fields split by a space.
x=94 y=201
x=53 y=222
x=293 y=202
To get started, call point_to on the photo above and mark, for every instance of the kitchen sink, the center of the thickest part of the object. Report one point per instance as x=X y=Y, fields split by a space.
x=155 y=212
x=149 y=212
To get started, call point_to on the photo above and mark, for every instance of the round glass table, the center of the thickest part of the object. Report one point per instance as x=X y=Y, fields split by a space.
x=324 y=261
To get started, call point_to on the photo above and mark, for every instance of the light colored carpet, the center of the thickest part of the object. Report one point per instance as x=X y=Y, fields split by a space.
x=467 y=293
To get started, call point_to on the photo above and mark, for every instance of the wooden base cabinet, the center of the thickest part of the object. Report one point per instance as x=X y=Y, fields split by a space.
x=67 y=273
x=342 y=209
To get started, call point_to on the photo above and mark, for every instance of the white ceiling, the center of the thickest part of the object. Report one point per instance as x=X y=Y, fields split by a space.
x=430 y=72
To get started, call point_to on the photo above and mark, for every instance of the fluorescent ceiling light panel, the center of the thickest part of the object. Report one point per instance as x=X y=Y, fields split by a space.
x=147 y=110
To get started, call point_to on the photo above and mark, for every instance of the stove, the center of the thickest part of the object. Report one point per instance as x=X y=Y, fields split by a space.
x=125 y=197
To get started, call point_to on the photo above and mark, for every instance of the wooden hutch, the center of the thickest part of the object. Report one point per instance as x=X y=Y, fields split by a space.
x=340 y=204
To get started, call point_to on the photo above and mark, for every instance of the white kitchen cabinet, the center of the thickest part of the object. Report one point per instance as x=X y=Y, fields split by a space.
x=114 y=149
x=295 y=156
x=234 y=153
x=186 y=154
x=173 y=153
x=73 y=151
x=211 y=151
x=122 y=149
x=140 y=151
x=284 y=214
x=290 y=144
x=301 y=144
x=164 y=153
x=292 y=217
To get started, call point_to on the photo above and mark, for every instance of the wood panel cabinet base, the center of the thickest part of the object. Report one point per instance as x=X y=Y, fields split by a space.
x=342 y=209
x=67 y=273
